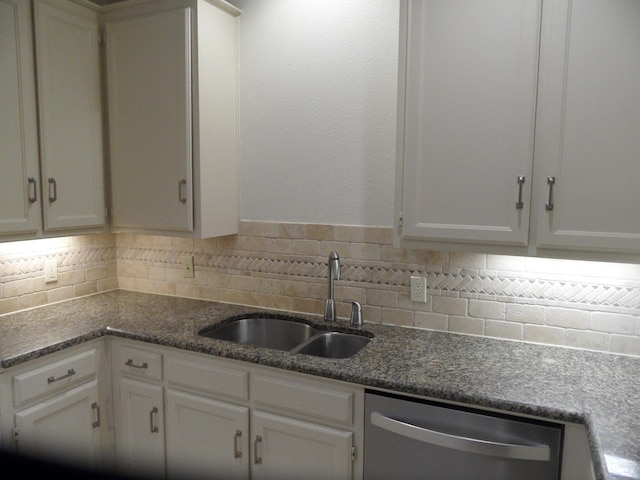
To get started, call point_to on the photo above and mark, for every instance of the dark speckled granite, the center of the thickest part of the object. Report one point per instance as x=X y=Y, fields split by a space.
x=598 y=389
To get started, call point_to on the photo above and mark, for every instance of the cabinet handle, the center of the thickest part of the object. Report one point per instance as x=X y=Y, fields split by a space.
x=551 y=182
x=71 y=372
x=256 y=458
x=236 y=444
x=53 y=190
x=33 y=187
x=96 y=408
x=519 y=203
x=152 y=424
x=182 y=186
x=129 y=363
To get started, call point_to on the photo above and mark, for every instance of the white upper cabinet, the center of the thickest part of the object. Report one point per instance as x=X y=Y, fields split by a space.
x=518 y=127
x=172 y=96
x=20 y=179
x=588 y=134
x=468 y=80
x=69 y=101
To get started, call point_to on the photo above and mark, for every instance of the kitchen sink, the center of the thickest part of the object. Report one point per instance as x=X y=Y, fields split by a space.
x=263 y=332
x=289 y=335
x=333 y=345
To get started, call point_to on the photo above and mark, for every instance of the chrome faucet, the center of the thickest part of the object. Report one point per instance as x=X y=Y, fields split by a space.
x=334 y=274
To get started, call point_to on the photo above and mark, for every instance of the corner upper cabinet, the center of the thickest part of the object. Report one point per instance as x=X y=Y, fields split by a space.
x=70 y=113
x=20 y=179
x=588 y=125
x=466 y=117
x=173 y=126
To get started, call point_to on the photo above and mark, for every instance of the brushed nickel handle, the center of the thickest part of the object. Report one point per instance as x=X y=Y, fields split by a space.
x=70 y=373
x=129 y=363
x=551 y=182
x=237 y=453
x=53 y=190
x=182 y=187
x=33 y=187
x=96 y=408
x=519 y=203
x=256 y=458
x=152 y=424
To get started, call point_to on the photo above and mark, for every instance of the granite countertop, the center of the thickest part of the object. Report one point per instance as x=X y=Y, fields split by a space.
x=599 y=390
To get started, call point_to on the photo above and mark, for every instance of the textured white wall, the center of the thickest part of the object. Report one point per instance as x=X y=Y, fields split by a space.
x=318 y=81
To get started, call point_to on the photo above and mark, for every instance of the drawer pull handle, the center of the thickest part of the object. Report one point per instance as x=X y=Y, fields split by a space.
x=551 y=182
x=53 y=190
x=129 y=363
x=182 y=186
x=256 y=458
x=237 y=453
x=96 y=408
x=70 y=373
x=33 y=187
x=520 y=203
x=152 y=424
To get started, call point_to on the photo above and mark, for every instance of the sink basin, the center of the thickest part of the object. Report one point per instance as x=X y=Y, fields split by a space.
x=263 y=332
x=333 y=345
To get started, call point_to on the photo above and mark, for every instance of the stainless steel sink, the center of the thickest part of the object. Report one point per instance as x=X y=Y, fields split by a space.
x=263 y=332
x=333 y=345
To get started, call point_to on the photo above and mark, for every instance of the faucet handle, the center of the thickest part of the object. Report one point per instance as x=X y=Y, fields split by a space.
x=356 y=314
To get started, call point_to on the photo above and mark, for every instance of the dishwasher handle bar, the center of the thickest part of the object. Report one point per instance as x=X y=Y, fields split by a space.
x=464 y=444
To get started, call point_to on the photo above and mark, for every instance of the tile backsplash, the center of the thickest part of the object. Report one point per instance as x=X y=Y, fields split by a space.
x=593 y=305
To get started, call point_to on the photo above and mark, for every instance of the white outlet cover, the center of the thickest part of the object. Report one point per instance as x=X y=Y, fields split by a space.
x=50 y=271
x=418 y=289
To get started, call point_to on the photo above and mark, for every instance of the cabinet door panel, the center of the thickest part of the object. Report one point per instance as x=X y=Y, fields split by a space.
x=467 y=122
x=69 y=96
x=206 y=438
x=62 y=428
x=287 y=448
x=588 y=124
x=149 y=82
x=18 y=128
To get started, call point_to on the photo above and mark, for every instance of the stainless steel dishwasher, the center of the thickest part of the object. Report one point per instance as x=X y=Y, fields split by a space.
x=413 y=439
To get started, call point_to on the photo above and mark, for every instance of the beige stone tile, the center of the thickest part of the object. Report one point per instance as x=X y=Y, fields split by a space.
x=371 y=314
x=382 y=298
x=405 y=303
x=8 y=305
x=106 y=284
x=60 y=294
x=279 y=245
x=207 y=293
x=568 y=318
x=379 y=235
x=32 y=300
x=469 y=325
x=250 y=244
x=430 y=258
x=364 y=251
x=186 y=290
x=97 y=272
x=320 y=232
x=349 y=233
x=506 y=263
x=544 y=334
x=613 y=323
x=17 y=288
x=243 y=282
x=586 y=339
x=394 y=316
x=626 y=344
x=525 y=313
x=486 y=309
x=87 y=288
x=396 y=255
x=182 y=244
x=307 y=305
x=450 y=306
x=126 y=283
x=342 y=248
x=431 y=321
x=266 y=229
x=306 y=247
x=503 y=329
x=292 y=230
x=467 y=260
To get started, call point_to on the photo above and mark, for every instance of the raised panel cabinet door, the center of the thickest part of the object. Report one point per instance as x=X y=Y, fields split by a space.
x=65 y=428
x=206 y=438
x=149 y=91
x=69 y=96
x=468 y=73
x=288 y=448
x=20 y=179
x=140 y=431
x=588 y=123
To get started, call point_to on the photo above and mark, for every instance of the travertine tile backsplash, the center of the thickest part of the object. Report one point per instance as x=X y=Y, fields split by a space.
x=581 y=304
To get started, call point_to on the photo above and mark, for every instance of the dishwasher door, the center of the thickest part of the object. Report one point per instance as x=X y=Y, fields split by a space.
x=413 y=439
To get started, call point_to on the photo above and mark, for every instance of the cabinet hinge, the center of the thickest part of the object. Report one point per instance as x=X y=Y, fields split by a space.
x=400 y=220
x=354 y=452
x=14 y=432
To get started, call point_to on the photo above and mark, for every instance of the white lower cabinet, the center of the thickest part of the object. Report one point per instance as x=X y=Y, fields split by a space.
x=198 y=420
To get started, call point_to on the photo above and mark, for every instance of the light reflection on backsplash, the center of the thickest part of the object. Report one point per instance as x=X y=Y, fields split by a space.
x=594 y=305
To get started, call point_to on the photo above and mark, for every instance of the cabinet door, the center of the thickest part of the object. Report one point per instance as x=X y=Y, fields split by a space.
x=69 y=97
x=19 y=182
x=206 y=438
x=466 y=125
x=288 y=448
x=588 y=122
x=140 y=430
x=149 y=85
x=65 y=428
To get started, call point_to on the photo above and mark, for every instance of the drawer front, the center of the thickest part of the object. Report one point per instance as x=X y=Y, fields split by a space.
x=303 y=397
x=55 y=377
x=139 y=362
x=207 y=377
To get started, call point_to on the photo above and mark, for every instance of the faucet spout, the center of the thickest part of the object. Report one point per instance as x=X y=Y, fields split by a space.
x=333 y=274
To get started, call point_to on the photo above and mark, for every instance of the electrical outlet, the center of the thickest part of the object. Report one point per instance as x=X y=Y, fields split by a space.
x=50 y=271
x=418 y=289
x=187 y=266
